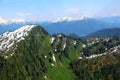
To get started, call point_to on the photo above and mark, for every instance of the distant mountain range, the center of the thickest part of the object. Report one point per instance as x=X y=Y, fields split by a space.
x=79 y=26
x=6 y=21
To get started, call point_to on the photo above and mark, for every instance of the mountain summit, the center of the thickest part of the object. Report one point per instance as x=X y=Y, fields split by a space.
x=8 y=39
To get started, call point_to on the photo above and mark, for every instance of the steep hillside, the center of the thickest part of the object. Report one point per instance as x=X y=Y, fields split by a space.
x=105 y=67
x=31 y=53
x=24 y=59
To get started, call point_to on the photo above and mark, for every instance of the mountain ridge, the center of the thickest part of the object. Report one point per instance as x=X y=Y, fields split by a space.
x=110 y=32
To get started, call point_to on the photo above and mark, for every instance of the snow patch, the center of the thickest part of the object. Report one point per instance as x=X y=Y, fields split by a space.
x=52 y=39
x=6 y=57
x=45 y=57
x=79 y=57
x=55 y=49
x=84 y=46
x=96 y=55
x=45 y=77
x=75 y=42
x=64 y=46
x=52 y=64
x=59 y=35
x=12 y=54
x=54 y=58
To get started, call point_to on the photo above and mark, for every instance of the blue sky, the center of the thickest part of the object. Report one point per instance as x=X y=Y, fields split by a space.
x=52 y=9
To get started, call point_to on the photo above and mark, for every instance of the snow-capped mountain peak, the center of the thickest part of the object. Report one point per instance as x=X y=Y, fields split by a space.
x=8 y=21
x=68 y=19
x=8 y=39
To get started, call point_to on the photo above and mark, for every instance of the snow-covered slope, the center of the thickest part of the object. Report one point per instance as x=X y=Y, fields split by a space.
x=8 y=39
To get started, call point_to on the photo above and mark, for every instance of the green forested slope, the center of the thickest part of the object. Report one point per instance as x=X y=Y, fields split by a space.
x=36 y=58
x=105 y=67
x=33 y=58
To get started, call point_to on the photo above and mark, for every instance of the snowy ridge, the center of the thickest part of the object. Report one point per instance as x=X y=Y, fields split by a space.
x=67 y=19
x=8 y=39
x=110 y=51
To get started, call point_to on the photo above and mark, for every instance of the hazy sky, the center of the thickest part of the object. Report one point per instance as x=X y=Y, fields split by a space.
x=51 y=9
